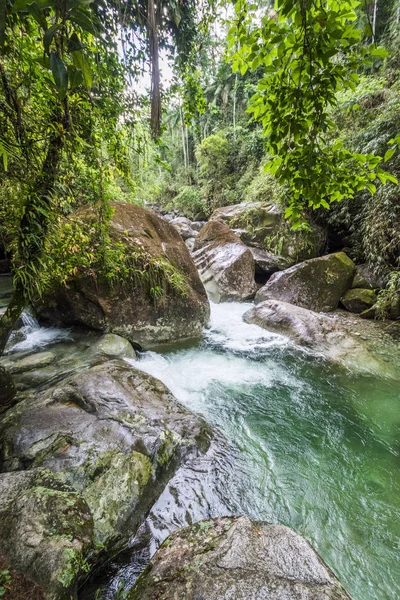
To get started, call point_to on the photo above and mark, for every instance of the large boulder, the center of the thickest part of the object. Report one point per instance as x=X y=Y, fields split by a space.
x=235 y=558
x=269 y=263
x=225 y=264
x=46 y=531
x=316 y=284
x=340 y=337
x=131 y=310
x=263 y=225
x=114 y=435
x=357 y=300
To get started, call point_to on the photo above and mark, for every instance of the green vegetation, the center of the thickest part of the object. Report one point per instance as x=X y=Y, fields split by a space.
x=291 y=103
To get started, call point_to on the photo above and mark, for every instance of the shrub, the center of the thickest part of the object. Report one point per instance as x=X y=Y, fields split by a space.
x=190 y=202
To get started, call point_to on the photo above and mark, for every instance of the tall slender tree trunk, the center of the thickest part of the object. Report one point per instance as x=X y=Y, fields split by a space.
x=183 y=138
x=374 y=20
x=234 y=106
x=153 y=16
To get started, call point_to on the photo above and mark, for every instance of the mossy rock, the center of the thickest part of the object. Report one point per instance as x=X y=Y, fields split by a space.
x=233 y=557
x=7 y=389
x=357 y=300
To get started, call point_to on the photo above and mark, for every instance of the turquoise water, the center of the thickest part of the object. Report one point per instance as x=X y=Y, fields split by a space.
x=318 y=446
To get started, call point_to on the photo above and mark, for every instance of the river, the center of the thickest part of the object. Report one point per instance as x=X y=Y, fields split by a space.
x=309 y=445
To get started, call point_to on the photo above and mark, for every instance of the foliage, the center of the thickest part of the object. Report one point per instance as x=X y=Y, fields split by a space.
x=190 y=202
x=5 y=582
x=389 y=299
x=307 y=52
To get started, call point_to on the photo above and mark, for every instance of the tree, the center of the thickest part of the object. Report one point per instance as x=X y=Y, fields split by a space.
x=307 y=51
x=64 y=88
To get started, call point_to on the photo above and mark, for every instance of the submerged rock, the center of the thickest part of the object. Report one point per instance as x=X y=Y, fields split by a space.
x=46 y=530
x=263 y=225
x=114 y=434
x=317 y=284
x=233 y=558
x=130 y=310
x=225 y=264
x=357 y=300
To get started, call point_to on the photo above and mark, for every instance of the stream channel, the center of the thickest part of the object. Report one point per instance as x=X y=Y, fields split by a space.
x=308 y=444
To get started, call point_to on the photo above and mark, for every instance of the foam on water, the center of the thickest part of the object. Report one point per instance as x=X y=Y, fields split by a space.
x=34 y=336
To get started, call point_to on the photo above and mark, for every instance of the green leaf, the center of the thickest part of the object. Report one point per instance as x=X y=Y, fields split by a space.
x=75 y=77
x=389 y=153
x=37 y=14
x=74 y=43
x=81 y=62
x=60 y=74
x=48 y=36
x=379 y=53
x=81 y=18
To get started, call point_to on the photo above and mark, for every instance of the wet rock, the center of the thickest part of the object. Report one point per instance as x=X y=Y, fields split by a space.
x=269 y=263
x=316 y=284
x=263 y=225
x=340 y=337
x=365 y=277
x=225 y=264
x=114 y=345
x=7 y=389
x=198 y=225
x=184 y=228
x=190 y=243
x=46 y=530
x=32 y=362
x=130 y=310
x=357 y=300
x=235 y=558
x=114 y=434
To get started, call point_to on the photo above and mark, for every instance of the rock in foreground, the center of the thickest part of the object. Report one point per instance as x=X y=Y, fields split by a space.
x=130 y=310
x=225 y=264
x=113 y=436
x=316 y=284
x=233 y=558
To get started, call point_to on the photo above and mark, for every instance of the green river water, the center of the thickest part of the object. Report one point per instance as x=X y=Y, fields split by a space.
x=318 y=446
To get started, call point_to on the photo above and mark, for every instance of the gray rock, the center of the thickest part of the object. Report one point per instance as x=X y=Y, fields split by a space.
x=198 y=225
x=190 y=243
x=366 y=277
x=233 y=558
x=316 y=284
x=114 y=345
x=269 y=263
x=32 y=362
x=113 y=433
x=339 y=337
x=184 y=228
x=225 y=264
x=46 y=530
x=262 y=224
x=357 y=300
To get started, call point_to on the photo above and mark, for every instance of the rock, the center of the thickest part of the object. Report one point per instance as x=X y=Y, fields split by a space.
x=190 y=243
x=114 y=434
x=32 y=362
x=183 y=226
x=316 y=284
x=269 y=263
x=46 y=530
x=7 y=389
x=340 y=337
x=225 y=264
x=263 y=225
x=235 y=558
x=365 y=277
x=357 y=300
x=114 y=345
x=131 y=310
x=198 y=225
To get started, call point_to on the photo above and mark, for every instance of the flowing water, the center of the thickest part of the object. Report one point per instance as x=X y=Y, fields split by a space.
x=308 y=445
x=318 y=448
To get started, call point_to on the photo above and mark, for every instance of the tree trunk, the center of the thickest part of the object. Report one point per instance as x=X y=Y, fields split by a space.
x=10 y=317
x=374 y=20
x=153 y=16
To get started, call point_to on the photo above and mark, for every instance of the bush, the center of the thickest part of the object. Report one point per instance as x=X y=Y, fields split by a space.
x=190 y=202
